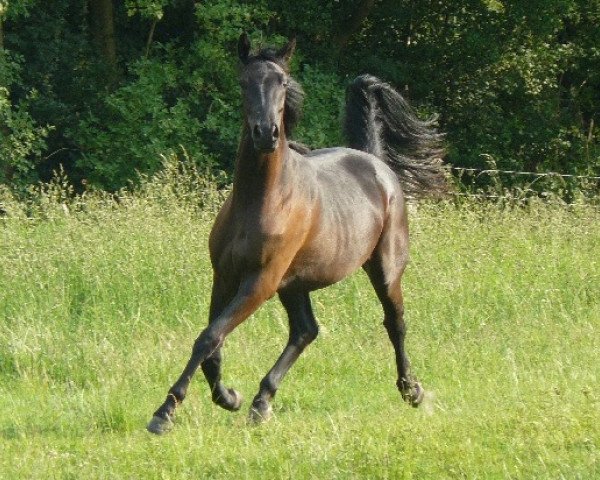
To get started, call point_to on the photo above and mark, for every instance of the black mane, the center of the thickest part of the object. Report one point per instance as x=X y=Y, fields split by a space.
x=294 y=99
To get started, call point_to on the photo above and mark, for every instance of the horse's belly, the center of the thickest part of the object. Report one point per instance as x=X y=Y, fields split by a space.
x=334 y=253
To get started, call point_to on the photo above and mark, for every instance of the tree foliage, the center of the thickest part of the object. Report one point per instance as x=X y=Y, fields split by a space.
x=516 y=83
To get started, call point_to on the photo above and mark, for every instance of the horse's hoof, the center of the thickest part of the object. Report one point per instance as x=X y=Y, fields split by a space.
x=260 y=413
x=159 y=425
x=236 y=401
x=416 y=395
x=232 y=402
x=413 y=394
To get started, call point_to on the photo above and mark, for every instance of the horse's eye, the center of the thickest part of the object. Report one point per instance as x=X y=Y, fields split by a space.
x=286 y=83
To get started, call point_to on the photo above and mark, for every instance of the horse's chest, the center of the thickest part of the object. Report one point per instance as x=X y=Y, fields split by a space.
x=254 y=248
x=260 y=241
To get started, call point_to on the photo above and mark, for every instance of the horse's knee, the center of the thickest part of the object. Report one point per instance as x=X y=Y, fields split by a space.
x=206 y=343
x=394 y=323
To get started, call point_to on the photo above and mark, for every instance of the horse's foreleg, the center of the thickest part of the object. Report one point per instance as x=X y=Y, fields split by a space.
x=226 y=398
x=253 y=291
x=303 y=330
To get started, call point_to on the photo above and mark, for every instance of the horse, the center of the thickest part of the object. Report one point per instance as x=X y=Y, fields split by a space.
x=298 y=220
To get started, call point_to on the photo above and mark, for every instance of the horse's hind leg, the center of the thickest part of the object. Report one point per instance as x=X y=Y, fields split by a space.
x=303 y=330
x=385 y=270
x=390 y=295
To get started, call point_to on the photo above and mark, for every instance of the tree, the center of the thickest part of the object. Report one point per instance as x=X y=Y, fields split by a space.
x=349 y=28
x=1 y=30
x=516 y=82
x=102 y=29
x=22 y=139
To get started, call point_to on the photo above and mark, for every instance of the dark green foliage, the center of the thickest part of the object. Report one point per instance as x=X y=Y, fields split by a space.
x=22 y=140
x=515 y=84
x=137 y=123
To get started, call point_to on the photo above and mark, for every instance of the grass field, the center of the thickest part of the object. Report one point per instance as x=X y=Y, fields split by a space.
x=99 y=307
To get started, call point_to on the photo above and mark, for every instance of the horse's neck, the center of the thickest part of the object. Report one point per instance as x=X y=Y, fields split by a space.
x=257 y=176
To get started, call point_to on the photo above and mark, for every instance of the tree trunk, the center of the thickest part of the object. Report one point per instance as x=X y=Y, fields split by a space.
x=102 y=29
x=354 y=23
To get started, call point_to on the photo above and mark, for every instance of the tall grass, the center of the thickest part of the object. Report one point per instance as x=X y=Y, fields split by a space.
x=101 y=298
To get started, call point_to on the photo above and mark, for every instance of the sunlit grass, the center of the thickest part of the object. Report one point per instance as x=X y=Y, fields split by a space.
x=99 y=307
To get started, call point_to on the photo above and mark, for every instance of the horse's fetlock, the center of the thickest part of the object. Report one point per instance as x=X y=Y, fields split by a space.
x=177 y=394
x=268 y=386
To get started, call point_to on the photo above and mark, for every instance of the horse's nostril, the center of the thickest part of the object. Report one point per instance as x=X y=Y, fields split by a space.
x=275 y=131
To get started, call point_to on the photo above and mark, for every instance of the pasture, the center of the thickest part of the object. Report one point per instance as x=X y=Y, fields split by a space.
x=100 y=304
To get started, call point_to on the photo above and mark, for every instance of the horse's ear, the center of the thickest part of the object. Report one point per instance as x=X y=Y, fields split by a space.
x=287 y=50
x=244 y=47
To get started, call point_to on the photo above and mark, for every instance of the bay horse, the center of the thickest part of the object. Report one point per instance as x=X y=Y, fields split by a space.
x=299 y=220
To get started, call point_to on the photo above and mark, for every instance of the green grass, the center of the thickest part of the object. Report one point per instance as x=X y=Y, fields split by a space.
x=99 y=309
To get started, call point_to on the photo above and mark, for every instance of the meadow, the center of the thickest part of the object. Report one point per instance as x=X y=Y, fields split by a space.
x=100 y=302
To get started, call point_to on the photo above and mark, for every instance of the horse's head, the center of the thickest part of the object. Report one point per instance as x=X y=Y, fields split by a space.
x=265 y=79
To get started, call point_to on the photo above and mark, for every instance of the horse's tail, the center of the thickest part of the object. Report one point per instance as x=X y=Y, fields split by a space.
x=379 y=121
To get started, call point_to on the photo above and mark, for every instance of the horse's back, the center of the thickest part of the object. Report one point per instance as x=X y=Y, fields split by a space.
x=354 y=172
x=357 y=193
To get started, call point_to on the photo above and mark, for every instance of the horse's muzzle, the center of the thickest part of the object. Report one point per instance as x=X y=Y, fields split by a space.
x=265 y=137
